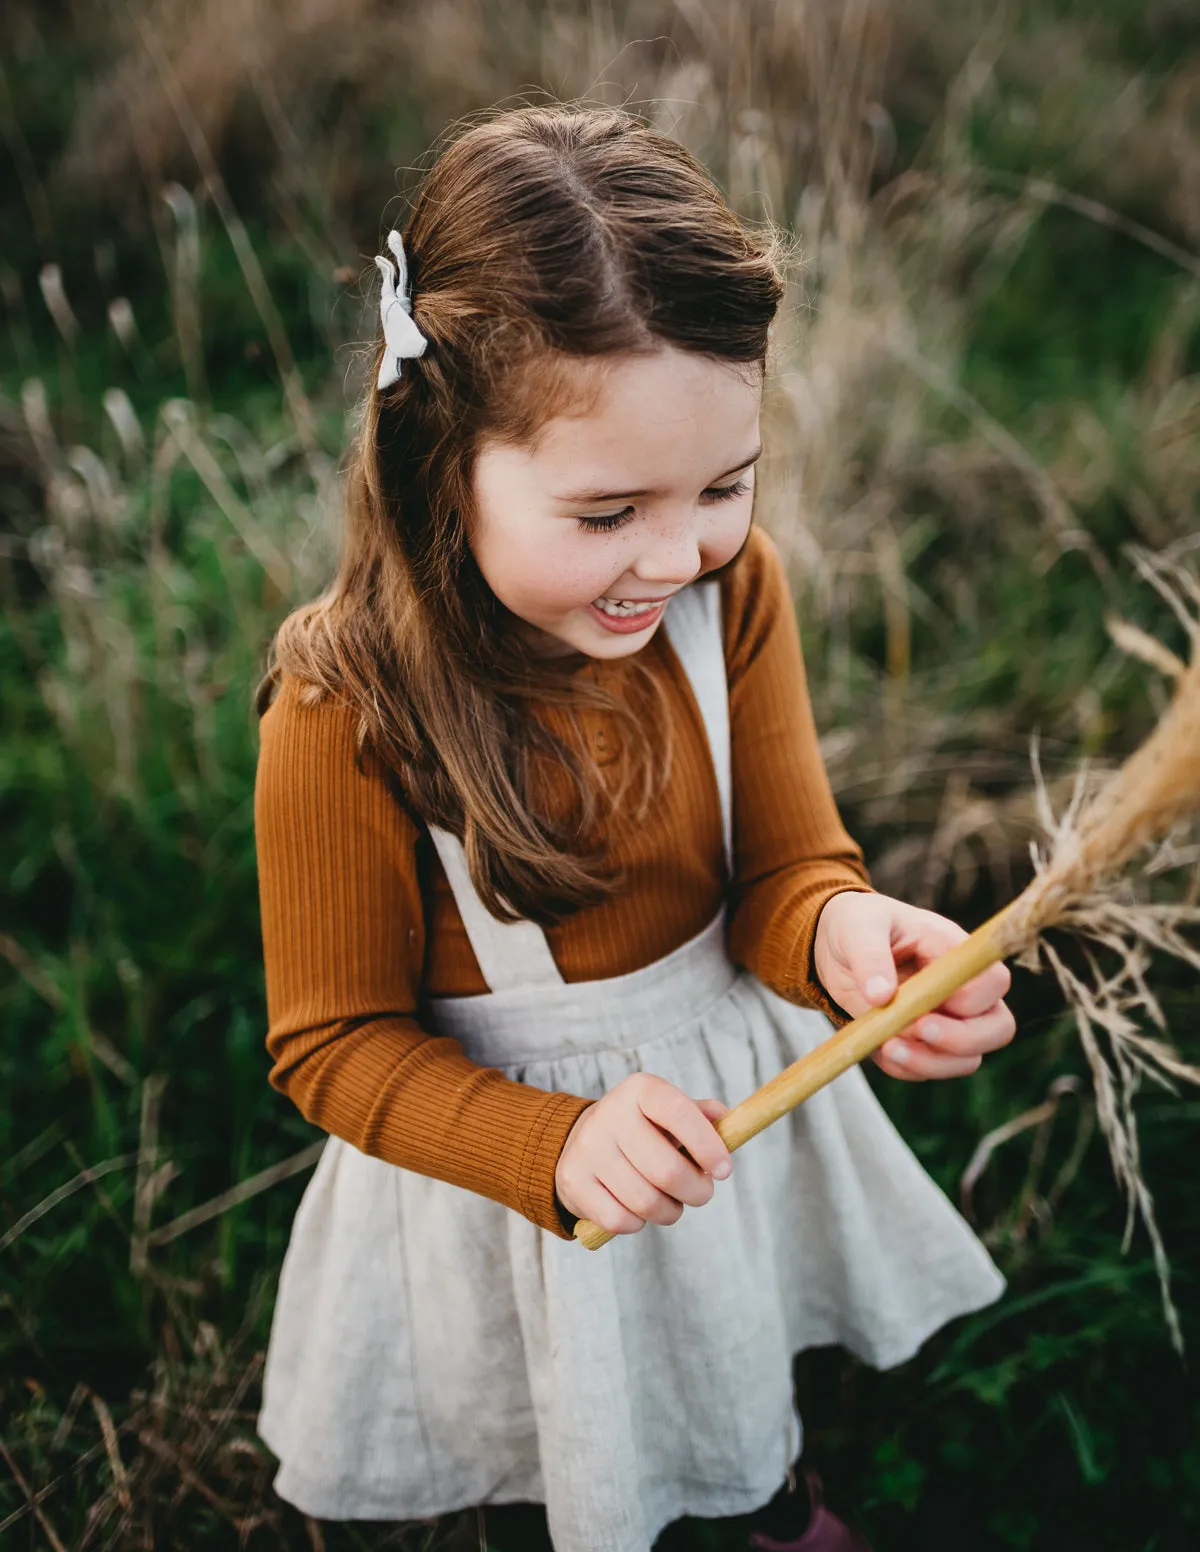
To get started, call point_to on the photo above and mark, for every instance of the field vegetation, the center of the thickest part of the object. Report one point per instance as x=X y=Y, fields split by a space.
x=986 y=396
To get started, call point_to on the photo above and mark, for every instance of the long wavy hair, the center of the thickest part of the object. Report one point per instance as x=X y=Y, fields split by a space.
x=541 y=238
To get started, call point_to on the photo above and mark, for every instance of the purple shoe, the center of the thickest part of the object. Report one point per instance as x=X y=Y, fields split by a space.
x=825 y=1532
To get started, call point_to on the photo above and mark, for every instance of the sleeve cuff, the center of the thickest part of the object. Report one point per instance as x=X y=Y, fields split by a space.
x=539 y=1201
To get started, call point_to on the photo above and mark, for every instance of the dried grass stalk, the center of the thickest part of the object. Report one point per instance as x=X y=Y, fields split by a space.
x=1079 y=885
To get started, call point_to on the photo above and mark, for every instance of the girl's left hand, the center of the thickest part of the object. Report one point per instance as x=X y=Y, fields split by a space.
x=866 y=944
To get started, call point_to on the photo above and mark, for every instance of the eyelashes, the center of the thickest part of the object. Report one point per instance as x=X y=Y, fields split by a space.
x=606 y=524
x=611 y=521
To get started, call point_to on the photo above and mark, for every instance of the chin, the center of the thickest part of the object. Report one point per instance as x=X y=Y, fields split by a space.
x=620 y=646
x=560 y=638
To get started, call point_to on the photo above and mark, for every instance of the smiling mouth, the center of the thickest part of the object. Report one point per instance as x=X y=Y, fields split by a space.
x=624 y=609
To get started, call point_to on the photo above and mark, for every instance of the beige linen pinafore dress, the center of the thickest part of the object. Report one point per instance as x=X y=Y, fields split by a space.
x=433 y=1350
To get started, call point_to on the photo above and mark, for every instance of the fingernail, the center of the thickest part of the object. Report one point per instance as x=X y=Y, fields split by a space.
x=878 y=986
x=929 y=1032
x=899 y=1051
x=723 y=1170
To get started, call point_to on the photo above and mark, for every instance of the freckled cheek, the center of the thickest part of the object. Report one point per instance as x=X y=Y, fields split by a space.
x=552 y=573
x=587 y=574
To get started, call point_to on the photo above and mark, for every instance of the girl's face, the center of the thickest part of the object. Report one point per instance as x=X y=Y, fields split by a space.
x=585 y=534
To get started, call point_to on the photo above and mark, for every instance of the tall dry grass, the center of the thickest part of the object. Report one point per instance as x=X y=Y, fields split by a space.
x=876 y=444
x=167 y=538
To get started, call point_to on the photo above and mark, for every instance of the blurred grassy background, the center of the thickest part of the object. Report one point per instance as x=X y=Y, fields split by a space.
x=987 y=389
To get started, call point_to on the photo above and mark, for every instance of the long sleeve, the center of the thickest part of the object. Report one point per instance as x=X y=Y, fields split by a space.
x=791 y=851
x=344 y=942
x=355 y=931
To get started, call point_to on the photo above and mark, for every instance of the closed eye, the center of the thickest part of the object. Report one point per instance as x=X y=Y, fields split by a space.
x=609 y=522
x=726 y=492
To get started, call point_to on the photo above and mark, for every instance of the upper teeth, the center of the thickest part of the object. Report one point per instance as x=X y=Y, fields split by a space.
x=621 y=606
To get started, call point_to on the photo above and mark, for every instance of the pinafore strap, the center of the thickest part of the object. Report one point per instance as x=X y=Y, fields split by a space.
x=512 y=955
x=693 y=625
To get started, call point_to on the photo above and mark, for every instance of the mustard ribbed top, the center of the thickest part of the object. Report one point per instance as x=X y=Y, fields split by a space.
x=359 y=923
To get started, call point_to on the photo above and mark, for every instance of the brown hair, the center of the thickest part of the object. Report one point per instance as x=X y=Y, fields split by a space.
x=543 y=236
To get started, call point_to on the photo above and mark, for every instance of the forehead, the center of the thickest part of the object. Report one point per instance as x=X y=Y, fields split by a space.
x=641 y=421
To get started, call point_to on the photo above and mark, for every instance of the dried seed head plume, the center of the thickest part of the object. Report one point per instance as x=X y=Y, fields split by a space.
x=1156 y=790
x=1143 y=807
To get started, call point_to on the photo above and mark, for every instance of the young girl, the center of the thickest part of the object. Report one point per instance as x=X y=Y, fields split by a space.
x=551 y=873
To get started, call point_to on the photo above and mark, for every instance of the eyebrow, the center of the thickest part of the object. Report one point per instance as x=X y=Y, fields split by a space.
x=580 y=497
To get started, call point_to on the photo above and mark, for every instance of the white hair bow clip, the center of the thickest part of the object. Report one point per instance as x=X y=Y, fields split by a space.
x=400 y=334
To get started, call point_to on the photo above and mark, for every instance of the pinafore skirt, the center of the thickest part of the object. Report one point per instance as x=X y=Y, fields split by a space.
x=432 y=1350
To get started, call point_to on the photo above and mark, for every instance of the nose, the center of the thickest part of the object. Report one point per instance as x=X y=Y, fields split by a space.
x=670 y=556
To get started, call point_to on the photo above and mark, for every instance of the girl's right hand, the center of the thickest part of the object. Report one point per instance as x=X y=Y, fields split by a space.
x=619 y=1169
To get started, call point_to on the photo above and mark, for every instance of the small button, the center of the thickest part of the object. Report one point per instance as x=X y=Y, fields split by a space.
x=605 y=746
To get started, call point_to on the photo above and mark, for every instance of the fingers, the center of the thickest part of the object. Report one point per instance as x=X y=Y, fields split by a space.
x=881 y=942
x=924 y=935
x=967 y=1036
x=671 y=1109
x=941 y=1047
x=981 y=994
x=665 y=1167
x=615 y=1194
x=640 y=1155
x=633 y=1191
x=583 y=1195
x=916 y=1063
x=593 y=1200
x=867 y=944
x=853 y=949
x=938 y=935
x=873 y=968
